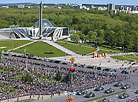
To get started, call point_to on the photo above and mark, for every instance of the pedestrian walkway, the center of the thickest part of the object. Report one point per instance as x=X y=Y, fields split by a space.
x=121 y=54
x=61 y=48
x=23 y=46
x=94 y=51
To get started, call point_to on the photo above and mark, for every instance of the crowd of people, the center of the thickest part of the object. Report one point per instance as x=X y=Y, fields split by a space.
x=43 y=82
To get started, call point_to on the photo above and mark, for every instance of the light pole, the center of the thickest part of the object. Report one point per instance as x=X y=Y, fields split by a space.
x=26 y=58
x=11 y=39
x=60 y=79
x=26 y=61
x=100 y=61
x=59 y=66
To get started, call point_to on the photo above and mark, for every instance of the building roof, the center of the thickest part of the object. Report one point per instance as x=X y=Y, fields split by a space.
x=45 y=23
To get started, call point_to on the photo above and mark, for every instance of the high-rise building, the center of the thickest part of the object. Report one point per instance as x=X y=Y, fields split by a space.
x=110 y=7
x=134 y=8
x=20 y=6
x=80 y=7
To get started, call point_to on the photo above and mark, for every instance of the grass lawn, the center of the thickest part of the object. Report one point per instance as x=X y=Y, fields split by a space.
x=103 y=51
x=8 y=44
x=122 y=58
x=132 y=57
x=39 y=49
x=77 y=48
x=104 y=47
x=84 y=44
x=110 y=49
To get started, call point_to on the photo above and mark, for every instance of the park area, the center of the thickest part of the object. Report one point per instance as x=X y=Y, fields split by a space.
x=80 y=48
x=41 y=49
x=8 y=44
x=129 y=57
x=85 y=48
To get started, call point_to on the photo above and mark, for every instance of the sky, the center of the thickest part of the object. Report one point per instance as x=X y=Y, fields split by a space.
x=120 y=2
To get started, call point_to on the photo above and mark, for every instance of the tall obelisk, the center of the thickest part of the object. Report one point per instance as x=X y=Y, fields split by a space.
x=40 y=19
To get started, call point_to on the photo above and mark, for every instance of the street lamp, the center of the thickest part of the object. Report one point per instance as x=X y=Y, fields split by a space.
x=11 y=38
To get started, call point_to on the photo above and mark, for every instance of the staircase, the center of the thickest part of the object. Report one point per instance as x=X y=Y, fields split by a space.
x=61 y=48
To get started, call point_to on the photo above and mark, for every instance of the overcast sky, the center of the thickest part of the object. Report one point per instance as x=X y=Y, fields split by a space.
x=121 y=2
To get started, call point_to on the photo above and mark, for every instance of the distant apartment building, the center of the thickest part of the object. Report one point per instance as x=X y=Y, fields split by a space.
x=102 y=8
x=20 y=6
x=126 y=9
x=91 y=6
x=58 y=7
x=133 y=12
x=111 y=7
x=134 y=8
x=27 y=6
x=5 y=7
x=81 y=7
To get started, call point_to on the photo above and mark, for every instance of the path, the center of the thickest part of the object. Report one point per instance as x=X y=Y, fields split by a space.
x=61 y=48
x=22 y=46
x=120 y=54
x=94 y=51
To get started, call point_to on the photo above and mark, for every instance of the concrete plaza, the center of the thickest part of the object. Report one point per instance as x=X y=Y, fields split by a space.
x=107 y=62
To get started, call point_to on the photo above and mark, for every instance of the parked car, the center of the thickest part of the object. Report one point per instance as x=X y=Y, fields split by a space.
x=81 y=93
x=136 y=92
x=90 y=67
x=99 y=88
x=64 y=63
x=123 y=96
x=89 y=95
x=119 y=84
x=108 y=91
x=124 y=72
x=125 y=86
x=104 y=100
x=57 y=61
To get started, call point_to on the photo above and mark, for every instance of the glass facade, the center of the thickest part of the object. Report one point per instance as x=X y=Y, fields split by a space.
x=65 y=31
x=45 y=23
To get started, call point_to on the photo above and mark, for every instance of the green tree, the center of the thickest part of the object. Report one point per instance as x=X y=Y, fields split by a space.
x=27 y=78
x=100 y=38
x=67 y=78
x=111 y=38
x=129 y=43
x=136 y=43
x=58 y=76
x=120 y=39
x=82 y=37
x=92 y=36
x=75 y=38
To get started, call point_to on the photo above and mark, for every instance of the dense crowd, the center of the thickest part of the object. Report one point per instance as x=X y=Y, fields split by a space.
x=43 y=78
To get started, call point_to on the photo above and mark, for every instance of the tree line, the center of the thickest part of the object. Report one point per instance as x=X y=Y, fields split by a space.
x=93 y=26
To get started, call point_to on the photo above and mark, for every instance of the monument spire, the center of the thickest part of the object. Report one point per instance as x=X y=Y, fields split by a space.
x=40 y=19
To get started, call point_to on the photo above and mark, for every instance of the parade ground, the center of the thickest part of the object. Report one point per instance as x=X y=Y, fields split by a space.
x=101 y=61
